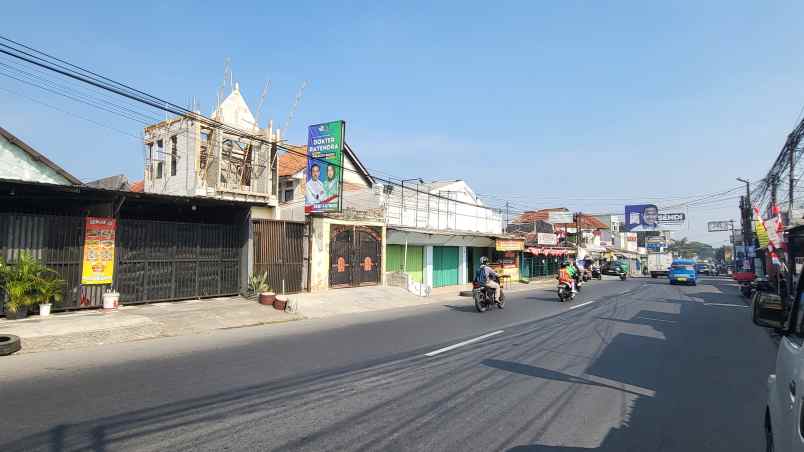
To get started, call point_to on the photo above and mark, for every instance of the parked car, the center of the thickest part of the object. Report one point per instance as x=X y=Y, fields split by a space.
x=783 y=413
x=682 y=271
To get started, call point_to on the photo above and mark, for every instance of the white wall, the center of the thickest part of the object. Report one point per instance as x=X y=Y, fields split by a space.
x=451 y=208
x=19 y=165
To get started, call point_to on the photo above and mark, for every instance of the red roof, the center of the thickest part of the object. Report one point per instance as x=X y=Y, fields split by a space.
x=291 y=163
x=138 y=186
x=531 y=216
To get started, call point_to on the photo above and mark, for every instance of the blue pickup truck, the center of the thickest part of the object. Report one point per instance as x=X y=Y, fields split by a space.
x=682 y=271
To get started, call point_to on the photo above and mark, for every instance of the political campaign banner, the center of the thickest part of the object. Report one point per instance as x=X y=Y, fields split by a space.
x=646 y=217
x=324 y=181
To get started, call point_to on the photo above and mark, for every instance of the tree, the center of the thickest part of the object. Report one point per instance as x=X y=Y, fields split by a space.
x=686 y=249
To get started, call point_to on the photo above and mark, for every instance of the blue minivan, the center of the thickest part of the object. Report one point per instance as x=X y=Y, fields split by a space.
x=682 y=271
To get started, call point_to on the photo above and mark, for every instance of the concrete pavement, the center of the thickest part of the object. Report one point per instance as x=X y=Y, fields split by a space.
x=636 y=365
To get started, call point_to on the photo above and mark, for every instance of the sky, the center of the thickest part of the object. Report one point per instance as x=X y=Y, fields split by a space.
x=587 y=105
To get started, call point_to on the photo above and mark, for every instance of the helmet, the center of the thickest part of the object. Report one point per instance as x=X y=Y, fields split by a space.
x=484 y=260
x=564 y=264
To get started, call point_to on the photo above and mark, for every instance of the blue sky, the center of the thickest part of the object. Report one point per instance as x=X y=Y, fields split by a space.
x=588 y=105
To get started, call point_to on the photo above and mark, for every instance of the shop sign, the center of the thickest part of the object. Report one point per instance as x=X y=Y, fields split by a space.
x=631 y=237
x=324 y=180
x=509 y=245
x=99 y=239
x=560 y=217
x=546 y=238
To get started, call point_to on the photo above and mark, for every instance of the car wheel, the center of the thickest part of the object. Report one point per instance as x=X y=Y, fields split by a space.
x=768 y=432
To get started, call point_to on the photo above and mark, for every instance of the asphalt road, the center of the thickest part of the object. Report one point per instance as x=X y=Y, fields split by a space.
x=628 y=366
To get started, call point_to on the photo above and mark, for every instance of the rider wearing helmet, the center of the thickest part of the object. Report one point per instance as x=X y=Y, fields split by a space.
x=486 y=277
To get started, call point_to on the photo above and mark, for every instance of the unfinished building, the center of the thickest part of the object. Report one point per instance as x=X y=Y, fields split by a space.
x=188 y=157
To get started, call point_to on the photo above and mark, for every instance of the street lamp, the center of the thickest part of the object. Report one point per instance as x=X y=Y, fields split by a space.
x=746 y=213
x=402 y=212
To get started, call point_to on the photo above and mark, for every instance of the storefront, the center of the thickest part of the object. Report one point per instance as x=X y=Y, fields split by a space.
x=540 y=262
x=507 y=257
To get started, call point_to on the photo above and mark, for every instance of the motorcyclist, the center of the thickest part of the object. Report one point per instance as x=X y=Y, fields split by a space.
x=564 y=276
x=487 y=277
x=573 y=272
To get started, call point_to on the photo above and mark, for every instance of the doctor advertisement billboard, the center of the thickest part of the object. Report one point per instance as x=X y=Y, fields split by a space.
x=646 y=217
x=324 y=167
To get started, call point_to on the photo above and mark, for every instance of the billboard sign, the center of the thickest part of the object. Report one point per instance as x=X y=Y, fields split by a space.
x=641 y=217
x=655 y=243
x=646 y=217
x=324 y=177
x=717 y=226
x=509 y=245
x=560 y=217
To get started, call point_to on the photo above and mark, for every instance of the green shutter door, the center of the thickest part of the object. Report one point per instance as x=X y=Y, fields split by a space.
x=445 y=266
x=415 y=262
x=393 y=258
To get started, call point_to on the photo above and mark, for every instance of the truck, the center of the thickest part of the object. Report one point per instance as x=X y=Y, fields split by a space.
x=659 y=263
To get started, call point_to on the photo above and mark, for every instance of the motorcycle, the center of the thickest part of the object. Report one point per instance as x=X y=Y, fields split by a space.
x=565 y=292
x=484 y=296
x=587 y=275
x=596 y=274
x=621 y=273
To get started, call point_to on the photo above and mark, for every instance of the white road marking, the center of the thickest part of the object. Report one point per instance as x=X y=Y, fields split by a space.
x=653 y=319
x=582 y=304
x=726 y=304
x=461 y=344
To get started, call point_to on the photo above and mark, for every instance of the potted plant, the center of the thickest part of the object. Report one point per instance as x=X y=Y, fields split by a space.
x=258 y=284
x=49 y=289
x=19 y=282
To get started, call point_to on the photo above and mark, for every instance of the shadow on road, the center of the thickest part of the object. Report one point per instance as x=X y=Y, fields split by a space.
x=665 y=384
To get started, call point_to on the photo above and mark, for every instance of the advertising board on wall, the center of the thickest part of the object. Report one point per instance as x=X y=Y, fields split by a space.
x=509 y=244
x=98 y=262
x=324 y=176
x=546 y=238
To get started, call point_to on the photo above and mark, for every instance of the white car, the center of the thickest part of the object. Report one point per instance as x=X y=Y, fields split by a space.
x=784 y=415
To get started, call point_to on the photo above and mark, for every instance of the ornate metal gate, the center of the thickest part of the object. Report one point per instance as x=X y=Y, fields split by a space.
x=354 y=256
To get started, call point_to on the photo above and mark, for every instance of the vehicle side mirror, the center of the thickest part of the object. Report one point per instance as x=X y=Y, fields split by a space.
x=769 y=310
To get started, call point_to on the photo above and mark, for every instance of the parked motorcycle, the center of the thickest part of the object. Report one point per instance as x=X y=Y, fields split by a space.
x=621 y=273
x=596 y=274
x=565 y=292
x=484 y=296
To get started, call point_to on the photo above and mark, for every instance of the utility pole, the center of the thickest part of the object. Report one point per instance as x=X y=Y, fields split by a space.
x=791 y=182
x=745 y=206
x=507 y=218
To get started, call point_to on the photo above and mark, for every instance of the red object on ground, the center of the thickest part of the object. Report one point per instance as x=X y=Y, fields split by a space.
x=744 y=276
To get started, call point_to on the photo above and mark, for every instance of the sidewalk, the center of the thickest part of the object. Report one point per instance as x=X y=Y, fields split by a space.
x=74 y=330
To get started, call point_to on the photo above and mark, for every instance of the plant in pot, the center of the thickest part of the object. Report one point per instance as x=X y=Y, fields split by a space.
x=19 y=282
x=258 y=284
x=49 y=289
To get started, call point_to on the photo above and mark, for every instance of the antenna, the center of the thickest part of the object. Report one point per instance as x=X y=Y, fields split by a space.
x=227 y=73
x=262 y=100
x=295 y=106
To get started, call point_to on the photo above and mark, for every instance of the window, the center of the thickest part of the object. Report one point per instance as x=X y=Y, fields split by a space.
x=202 y=159
x=159 y=158
x=288 y=195
x=174 y=155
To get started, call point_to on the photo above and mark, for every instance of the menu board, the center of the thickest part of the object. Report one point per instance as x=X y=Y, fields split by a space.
x=99 y=238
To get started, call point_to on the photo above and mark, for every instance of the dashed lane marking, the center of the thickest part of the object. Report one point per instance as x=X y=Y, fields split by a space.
x=461 y=344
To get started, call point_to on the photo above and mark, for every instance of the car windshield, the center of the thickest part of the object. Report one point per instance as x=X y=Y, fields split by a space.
x=683 y=267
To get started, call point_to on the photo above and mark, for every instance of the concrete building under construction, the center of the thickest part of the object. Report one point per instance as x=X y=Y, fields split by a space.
x=187 y=156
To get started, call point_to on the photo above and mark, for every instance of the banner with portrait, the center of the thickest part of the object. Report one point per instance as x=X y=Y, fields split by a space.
x=324 y=177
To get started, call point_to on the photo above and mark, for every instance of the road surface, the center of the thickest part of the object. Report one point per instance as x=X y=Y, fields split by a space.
x=628 y=366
